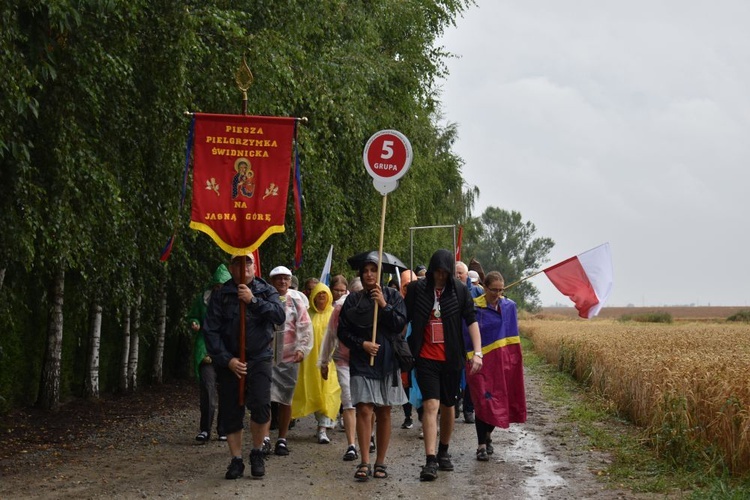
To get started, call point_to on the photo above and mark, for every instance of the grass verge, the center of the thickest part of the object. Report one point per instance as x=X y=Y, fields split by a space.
x=635 y=466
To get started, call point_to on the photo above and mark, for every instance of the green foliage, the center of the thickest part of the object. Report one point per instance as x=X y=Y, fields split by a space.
x=501 y=241
x=92 y=141
x=743 y=315
x=650 y=317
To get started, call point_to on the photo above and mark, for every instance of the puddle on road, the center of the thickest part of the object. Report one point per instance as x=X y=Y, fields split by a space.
x=528 y=452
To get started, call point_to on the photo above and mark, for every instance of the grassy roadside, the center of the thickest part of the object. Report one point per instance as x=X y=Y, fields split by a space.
x=635 y=465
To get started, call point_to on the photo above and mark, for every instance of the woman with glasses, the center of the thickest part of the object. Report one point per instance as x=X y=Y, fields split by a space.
x=497 y=390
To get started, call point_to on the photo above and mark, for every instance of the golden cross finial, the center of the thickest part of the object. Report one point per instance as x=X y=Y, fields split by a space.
x=243 y=77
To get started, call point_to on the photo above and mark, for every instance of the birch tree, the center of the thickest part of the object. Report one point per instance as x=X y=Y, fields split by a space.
x=49 y=394
x=91 y=387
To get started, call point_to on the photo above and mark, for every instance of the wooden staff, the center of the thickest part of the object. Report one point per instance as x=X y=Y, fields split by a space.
x=380 y=267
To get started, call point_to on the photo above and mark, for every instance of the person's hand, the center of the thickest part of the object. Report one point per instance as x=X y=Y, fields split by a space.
x=298 y=357
x=371 y=348
x=476 y=364
x=324 y=372
x=237 y=367
x=376 y=294
x=244 y=293
x=195 y=326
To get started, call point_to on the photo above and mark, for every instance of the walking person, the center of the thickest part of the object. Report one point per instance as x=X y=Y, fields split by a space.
x=313 y=394
x=498 y=388
x=263 y=310
x=437 y=306
x=204 y=368
x=293 y=342
x=374 y=389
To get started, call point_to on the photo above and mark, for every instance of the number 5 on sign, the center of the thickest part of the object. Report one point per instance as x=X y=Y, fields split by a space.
x=387 y=157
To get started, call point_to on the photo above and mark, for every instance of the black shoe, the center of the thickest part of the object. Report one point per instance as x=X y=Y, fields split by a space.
x=490 y=449
x=408 y=423
x=257 y=463
x=266 y=448
x=236 y=469
x=202 y=437
x=469 y=417
x=444 y=462
x=429 y=472
x=351 y=454
x=482 y=455
x=372 y=444
x=281 y=448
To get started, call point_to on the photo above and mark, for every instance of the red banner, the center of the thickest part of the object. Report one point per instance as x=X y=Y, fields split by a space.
x=241 y=169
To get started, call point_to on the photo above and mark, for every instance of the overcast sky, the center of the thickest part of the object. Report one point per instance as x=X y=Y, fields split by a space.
x=623 y=122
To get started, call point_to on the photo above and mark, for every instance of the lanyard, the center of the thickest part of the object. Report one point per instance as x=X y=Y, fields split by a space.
x=436 y=304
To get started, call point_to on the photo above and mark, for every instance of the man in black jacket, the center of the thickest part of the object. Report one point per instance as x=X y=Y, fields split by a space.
x=437 y=307
x=263 y=309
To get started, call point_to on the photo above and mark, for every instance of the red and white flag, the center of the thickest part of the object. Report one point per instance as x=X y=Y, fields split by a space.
x=585 y=278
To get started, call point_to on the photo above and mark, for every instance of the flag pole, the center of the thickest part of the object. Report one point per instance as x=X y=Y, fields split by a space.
x=522 y=280
x=243 y=77
x=380 y=267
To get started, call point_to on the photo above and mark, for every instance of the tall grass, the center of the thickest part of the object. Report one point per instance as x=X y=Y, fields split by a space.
x=687 y=384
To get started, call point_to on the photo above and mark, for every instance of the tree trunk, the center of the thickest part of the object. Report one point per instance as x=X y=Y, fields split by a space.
x=125 y=352
x=91 y=388
x=2 y=277
x=49 y=394
x=160 y=331
x=134 y=344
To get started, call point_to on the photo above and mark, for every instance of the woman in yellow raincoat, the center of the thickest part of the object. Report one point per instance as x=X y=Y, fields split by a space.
x=313 y=394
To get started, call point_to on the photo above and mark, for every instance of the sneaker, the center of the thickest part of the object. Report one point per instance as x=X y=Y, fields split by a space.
x=281 y=448
x=222 y=437
x=429 y=472
x=236 y=469
x=408 y=423
x=444 y=462
x=469 y=417
x=351 y=454
x=257 y=463
x=323 y=437
x=372 y=444
x=482 y=455
x=340 y=423
x=202 y=437
x=266 y=448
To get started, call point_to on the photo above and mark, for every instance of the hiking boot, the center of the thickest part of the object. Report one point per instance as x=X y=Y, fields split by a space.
x=482 y=455
x=323 y=437
x=281 y=448
x=266 y=448
x=469 y=417
x=236 y=469
x=257 y=463
x=429 y=472
x=351 y=454
x=444 y=462
x=408 y=423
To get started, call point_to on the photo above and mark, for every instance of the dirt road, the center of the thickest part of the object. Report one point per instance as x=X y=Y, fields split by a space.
x=136 y=456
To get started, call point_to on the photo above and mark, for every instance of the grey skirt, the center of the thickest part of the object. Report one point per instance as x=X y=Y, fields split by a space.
x=284 y=380
x=380 y=392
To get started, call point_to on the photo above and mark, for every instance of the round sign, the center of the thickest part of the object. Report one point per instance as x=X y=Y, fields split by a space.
x=387 y=156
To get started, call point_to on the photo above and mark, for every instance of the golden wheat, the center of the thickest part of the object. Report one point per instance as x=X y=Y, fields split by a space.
x=687 y=384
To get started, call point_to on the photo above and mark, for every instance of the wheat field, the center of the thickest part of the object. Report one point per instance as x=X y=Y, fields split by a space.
x=687 y=383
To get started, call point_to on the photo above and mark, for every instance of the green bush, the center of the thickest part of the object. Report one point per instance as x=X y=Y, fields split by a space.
x=743 y=315
x=651 y=317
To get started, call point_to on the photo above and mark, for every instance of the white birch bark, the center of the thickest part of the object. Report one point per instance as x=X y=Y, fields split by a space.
x=161 y=331
x=125 y=351
x=91 y=387
x=134 y=344
x=49 y=394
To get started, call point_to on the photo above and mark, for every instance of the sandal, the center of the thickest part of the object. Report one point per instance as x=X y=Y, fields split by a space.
x=380 y=472
x=363 y=473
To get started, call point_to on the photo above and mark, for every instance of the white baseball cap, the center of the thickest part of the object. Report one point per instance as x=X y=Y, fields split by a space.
x=474 y=276
x=280 y=270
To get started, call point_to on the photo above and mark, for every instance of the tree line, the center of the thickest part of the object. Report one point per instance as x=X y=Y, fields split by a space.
x=92 y=145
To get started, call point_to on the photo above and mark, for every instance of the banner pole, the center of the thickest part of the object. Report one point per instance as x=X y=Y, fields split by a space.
x=523 y=279
x=380 y=267
x=244 y=78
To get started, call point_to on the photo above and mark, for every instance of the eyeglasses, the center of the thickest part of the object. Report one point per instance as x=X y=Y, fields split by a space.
x=496 y=290
x=248 y=262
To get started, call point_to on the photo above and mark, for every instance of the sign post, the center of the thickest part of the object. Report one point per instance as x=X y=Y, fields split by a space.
x=387 y=158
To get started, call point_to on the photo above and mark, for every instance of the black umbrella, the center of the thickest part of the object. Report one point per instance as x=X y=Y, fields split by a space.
x=391 y=263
